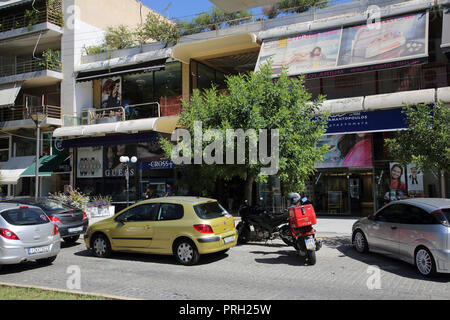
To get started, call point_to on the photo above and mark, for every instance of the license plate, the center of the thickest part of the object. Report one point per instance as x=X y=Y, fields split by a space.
x=71 y=230
x=310 y=244
x=228 y=239
x=252 y=228
x=38 y=250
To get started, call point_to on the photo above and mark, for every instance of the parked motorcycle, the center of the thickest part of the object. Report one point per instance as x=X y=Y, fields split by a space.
x=258 y=224
x=300 y=232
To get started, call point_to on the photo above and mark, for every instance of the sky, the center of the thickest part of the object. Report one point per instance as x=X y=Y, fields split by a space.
x=179 y=8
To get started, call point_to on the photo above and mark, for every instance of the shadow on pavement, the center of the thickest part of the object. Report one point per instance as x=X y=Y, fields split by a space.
x=385 y=263
x=153 y=258
x=22 y=267
x=289 y=257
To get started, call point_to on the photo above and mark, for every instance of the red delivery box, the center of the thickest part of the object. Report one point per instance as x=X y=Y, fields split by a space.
x=302 y=216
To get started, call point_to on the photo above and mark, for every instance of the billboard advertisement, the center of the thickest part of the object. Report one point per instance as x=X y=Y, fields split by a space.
x=90 y=162
x=392 y=42
x=346 y=151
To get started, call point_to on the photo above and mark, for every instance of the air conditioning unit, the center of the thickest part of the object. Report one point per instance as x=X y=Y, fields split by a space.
x=85 y=117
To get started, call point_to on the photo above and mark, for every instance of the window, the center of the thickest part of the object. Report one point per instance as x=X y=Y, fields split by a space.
x=168 y=81
x=25 y=217
x=390 y=214
x=4 y=149
x=415 y=215
x=24 y=146
x=168 y=211
x=210 y=210
x=143 y=212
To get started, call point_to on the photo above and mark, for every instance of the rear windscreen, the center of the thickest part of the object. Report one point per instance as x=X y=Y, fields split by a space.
x=54 y=205
x=25 y=217
x=210 y=210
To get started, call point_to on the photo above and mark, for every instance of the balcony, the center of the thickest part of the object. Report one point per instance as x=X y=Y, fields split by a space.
x=19 y=116
x=50 y=12
x=35 y=72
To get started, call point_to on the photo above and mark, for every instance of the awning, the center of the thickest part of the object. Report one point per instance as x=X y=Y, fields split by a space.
x=445 y=44
x=8 y=93
x=154 y=65
x=163 y=124
x=396 y=42
x=111 y=140
x=47 y=165
x=11 y=171
x=12 y=3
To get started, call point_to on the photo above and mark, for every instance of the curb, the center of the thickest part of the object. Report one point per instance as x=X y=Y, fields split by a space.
x=112 y=297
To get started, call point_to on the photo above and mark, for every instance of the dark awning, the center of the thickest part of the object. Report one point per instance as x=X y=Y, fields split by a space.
x=111 y=140
x=154 y=65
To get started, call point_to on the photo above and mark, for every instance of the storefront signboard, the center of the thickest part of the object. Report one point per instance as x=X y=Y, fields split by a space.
x=156 y=165
x=90 y=162
x=392 y=42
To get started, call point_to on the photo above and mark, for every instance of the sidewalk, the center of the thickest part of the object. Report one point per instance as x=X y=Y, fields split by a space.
x=325 y=227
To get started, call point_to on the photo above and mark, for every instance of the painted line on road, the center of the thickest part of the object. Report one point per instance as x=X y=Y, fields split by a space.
x=112 y=297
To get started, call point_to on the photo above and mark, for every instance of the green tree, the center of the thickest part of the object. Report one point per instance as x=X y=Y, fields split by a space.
x=119 y=37
x=157 y=29
x=299 y=6
x=426 y=143
x=256 y=101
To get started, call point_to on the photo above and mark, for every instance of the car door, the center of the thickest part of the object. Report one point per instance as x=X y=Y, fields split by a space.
x=134 y=228
x=168 y=226
x=417 y=226
x=383 y=233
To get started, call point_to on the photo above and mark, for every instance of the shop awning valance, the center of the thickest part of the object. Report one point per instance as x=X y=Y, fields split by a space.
x=393 y=42
x=8 y=93
x=154 y=65
x=445 y=44
x=162 y=124
x=111 y=140
x=11 y=171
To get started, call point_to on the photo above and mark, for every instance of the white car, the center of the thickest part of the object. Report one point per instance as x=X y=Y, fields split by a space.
x=415 y=230
x=27 y=234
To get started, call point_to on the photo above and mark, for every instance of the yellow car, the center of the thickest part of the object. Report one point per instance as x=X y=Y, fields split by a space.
x=183 y=226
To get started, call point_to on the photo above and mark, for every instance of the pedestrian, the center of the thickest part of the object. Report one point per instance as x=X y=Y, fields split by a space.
x=149 y=193
x=168 y=190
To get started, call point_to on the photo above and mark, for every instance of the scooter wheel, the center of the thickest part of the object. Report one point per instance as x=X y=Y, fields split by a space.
x=243 y=233
x=311 y=256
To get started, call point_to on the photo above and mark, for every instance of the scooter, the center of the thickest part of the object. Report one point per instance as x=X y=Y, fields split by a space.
x=300 y=232
x=258 y=224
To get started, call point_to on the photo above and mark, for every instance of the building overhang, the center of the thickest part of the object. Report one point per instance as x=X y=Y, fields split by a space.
x=214 y=47
x=238 y=5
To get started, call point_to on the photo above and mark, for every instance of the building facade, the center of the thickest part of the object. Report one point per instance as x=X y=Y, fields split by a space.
x=40 y=43
x=130 y=98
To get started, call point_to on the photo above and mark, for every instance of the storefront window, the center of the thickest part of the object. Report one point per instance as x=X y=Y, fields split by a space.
x=270 y=195
x=138 y=88
x=168 y=81
x=4 y=149
x=25 y=145
x=206 y=76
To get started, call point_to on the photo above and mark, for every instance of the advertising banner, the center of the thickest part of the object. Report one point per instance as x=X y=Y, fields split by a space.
x=347 y=150
x=111 y=92
x=415 y=181
x=90 y=162
x=392 y=42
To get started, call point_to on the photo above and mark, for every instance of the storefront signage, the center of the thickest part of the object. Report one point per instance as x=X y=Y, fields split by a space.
x=380 y=120
x=156 y=165
x=390 y=43
x=90 y=162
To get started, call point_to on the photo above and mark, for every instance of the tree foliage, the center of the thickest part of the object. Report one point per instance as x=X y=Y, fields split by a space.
x=119 y=37
x=256 y=101
x=157 y=29
x=426 y=143
x=292 y=6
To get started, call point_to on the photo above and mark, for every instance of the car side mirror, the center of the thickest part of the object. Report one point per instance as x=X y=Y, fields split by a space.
x=121 y=219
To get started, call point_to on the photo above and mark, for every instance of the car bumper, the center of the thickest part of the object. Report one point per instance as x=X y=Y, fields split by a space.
x=18 y=253
x=74 y=229
x=215 y=243
x=442 y=258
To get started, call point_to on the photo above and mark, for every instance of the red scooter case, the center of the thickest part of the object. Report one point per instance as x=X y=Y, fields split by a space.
x=302 y=216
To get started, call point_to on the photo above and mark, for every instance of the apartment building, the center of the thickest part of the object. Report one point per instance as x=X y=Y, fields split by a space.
x=41 y=42
x=367 y=75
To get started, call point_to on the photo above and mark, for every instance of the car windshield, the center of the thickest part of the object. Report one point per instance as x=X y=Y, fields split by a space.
x=25 y=217
x=210 y=210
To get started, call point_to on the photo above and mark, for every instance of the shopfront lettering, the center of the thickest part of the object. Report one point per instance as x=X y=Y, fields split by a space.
x=118 y=172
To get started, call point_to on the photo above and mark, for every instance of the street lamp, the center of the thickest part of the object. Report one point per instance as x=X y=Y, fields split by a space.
x=38 y=117
x=126 y=161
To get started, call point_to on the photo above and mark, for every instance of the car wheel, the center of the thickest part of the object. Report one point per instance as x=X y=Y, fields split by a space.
x=186 y=252
x=46 y=261
x=425 y=262
x=70 y=240
x=360 y=242
x=101 y=246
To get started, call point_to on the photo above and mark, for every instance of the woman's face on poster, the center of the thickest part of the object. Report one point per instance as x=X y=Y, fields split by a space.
x=396 y=173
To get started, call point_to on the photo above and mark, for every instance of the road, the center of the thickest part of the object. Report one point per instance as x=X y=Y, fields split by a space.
x=258 y=271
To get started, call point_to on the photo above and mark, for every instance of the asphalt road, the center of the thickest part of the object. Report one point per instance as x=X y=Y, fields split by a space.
x=254 y=271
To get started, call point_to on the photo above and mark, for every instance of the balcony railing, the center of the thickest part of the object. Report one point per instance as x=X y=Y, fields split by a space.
x=31 y=17
x=123 y=113
x=26 y=66
x=24 y=113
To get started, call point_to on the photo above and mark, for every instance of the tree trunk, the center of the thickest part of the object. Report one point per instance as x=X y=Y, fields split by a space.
x=442 y=180
x=249 y=188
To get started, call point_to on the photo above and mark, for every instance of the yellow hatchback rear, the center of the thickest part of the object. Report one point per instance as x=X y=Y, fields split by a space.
x=186 y=227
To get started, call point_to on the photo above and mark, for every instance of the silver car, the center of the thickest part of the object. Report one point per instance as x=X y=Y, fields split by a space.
x=26 y=233
x=415 y=230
